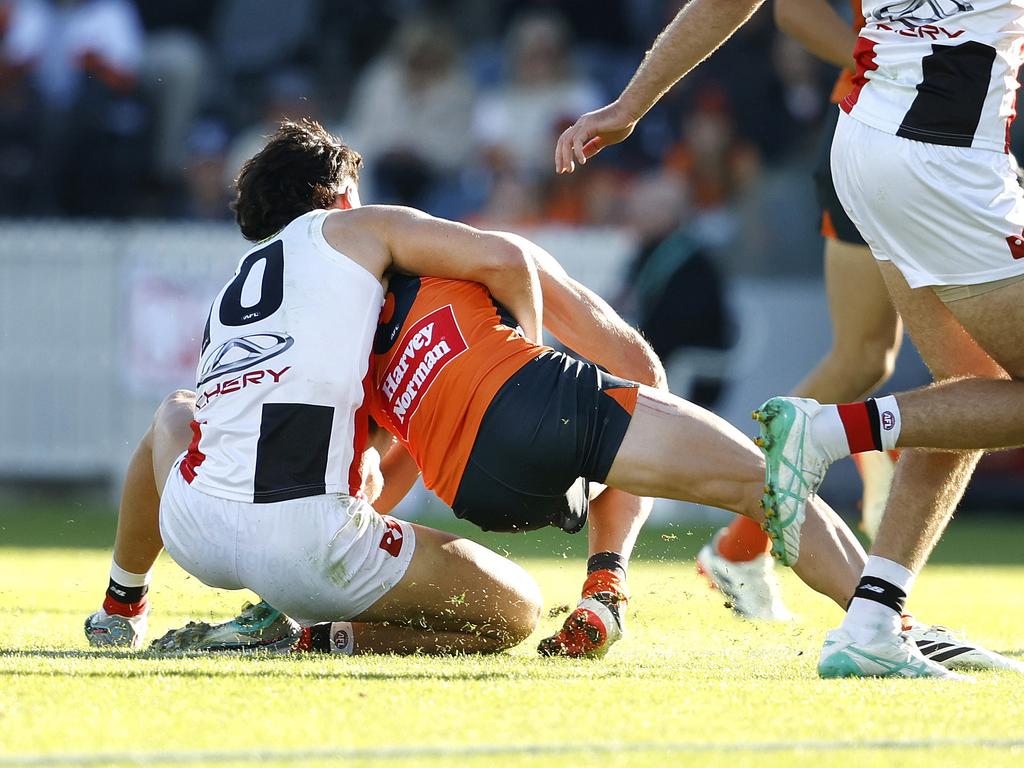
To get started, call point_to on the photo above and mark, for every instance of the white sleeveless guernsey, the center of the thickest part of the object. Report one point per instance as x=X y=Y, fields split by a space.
x=939 y=71
x=281 y=409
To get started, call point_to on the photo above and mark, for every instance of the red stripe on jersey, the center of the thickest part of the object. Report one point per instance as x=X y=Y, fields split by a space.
x=864 y=55
x=194 y=457
x=1009 y=122
x=362 y=432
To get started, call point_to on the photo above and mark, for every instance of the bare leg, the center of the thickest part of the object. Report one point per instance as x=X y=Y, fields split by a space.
x=677 y=450
x=977 y=337
x=866 y=337
x=928 y=485
x=456 y=597
x=615 y=521
x=866 y=331
x=137 y=543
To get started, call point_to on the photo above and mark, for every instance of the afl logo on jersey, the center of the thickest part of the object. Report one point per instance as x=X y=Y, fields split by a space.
x=241 y=353
x=917 y=13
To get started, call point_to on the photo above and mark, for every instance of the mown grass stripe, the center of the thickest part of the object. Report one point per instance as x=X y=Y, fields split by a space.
x=490 y=750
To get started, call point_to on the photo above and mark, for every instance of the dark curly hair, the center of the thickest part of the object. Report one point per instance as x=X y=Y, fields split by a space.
x=301 y=169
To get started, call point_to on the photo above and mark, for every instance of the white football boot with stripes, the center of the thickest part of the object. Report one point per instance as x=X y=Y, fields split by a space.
x=952 y=650
x=886 y=655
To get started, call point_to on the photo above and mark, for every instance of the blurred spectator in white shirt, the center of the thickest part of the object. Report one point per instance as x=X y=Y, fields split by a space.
x=62 y=42
x=81 y=58
x=517 y=123
x=411 y=113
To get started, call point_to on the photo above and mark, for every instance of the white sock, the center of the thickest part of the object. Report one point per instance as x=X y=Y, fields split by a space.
x=343 y=639
x=829 y=433
x=889 y=421
x=129 y=579
x=866 y=618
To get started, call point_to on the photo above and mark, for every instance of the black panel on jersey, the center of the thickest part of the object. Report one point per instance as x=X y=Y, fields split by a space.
x=951 y=96
x=291 y=455
x=404 y=289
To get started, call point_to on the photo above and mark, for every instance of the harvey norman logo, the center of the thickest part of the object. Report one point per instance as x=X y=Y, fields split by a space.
x=427 y=347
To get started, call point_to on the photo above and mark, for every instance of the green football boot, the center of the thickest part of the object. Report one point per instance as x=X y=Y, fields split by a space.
x=794 y=468
x=258 y=627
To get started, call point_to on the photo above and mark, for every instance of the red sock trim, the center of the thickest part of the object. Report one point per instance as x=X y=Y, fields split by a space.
x=743 y=541
x=117 y=608
x=857 y=425
x=605 y=581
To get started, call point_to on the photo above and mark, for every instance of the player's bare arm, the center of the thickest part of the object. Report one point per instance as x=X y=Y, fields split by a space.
x=407 y=240
x=585 y=323
x=693 y=35
x=818 y=28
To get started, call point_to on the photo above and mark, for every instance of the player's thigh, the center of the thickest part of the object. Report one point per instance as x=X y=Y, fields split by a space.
x=675 y=449
x=171 y=432
x=452 y=582
x=996 y=322
x=943 y=343
x=863 y=317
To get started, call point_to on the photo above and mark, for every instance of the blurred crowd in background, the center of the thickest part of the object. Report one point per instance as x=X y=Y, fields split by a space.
x=128 y=108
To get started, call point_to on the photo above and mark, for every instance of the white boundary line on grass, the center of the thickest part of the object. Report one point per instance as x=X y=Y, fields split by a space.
x=487 y=750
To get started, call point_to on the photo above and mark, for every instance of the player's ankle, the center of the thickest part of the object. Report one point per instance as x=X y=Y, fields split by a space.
x=878 y=603
x=115 y=607
x=328 y=637
x=850 y=428
x=126 y=592
x=606 y=573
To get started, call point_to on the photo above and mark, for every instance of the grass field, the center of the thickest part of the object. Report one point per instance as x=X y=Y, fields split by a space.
x=690 y=685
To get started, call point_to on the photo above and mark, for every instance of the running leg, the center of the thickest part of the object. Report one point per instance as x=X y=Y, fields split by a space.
x=675 y=449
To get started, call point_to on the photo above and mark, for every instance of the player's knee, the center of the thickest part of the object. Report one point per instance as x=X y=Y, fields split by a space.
x=866 y=363
x=879 y=357
x=521 y=614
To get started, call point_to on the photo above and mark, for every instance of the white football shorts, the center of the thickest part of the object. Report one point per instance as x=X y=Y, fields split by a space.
x=942 y=215
x=320 y=558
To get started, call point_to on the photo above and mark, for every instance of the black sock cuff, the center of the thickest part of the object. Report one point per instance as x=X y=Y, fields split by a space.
x=124 y=594
x=875 y=422
x=607 y=561
x=881 y=591
x=320 y=637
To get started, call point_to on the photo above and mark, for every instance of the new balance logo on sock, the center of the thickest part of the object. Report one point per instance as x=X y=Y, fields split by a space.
x=127 y=595
x=881 y=591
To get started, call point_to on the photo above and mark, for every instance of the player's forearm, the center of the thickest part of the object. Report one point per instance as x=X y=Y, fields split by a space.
x=818 y=28
x=693 y=35
x=585 y=323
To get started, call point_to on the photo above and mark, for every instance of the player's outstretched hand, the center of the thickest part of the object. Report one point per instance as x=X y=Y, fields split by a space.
x=590 y=134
